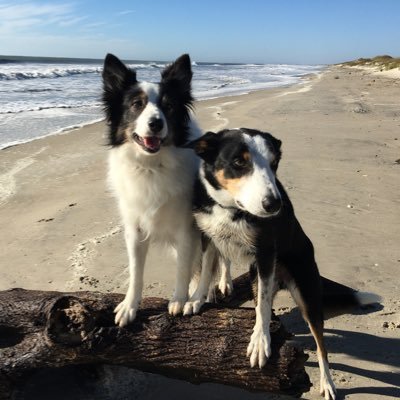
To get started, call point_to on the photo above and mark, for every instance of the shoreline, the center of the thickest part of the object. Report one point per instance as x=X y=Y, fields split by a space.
x=68 y=129
x=62 y=131
x=340 y=140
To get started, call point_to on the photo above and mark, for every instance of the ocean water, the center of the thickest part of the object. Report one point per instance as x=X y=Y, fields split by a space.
x=40 y=97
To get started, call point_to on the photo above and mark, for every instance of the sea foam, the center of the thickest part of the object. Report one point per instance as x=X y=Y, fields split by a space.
x=38 y=99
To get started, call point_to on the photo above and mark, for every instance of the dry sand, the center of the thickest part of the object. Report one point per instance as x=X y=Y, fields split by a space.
x=341 y=135
x=393 y=73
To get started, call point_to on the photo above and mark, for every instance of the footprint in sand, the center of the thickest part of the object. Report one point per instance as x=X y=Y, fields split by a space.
x=223 y=122
x=84 y=253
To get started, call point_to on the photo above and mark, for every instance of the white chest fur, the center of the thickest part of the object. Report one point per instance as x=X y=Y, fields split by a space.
x=154 y=192
x=234 y=238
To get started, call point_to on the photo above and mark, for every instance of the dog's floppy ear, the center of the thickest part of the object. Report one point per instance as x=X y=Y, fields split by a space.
x=206 y=147
x=276 y=143
x=179 y=71
x=278 y=153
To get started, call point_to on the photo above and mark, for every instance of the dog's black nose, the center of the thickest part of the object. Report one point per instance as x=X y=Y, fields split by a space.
x=271 y=204
x=156 y=124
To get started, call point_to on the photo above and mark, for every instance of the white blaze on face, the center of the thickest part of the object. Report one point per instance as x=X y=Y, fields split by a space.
x=260 y=184
x=151 y=111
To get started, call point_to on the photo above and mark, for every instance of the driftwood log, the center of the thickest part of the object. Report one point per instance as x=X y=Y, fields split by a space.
x=40 y=330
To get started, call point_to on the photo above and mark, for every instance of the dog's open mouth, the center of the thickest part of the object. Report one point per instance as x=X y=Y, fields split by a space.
x=151 y=144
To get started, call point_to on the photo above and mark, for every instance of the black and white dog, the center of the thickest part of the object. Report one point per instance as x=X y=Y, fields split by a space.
x=243 y=209
x=151 y=175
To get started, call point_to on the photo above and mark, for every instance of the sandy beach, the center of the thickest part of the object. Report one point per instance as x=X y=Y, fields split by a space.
x=341 y=138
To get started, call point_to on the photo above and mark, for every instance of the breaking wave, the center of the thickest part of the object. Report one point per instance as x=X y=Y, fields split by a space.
x=47 y=73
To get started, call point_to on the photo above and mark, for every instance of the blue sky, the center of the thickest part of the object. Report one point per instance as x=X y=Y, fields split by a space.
x=262 y=31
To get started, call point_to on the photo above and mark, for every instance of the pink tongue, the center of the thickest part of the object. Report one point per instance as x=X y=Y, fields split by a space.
x=152 y=142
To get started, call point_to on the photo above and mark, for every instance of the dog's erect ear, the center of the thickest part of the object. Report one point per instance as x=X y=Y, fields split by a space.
x=116 y=76
x=116 y=79
x=206 y=147
x=180 y=70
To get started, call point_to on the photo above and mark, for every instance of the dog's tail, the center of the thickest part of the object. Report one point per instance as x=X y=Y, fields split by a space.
x=340 y=299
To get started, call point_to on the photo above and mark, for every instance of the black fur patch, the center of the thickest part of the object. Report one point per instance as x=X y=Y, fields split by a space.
x=202 y=202
x=117 y=79
x=232 y=156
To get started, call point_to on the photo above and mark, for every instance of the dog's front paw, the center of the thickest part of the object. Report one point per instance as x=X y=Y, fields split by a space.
x=125 y=313
x=327 y=388
x=259 y=348
x=175 y=306
x=225 y=285
x=193 y=306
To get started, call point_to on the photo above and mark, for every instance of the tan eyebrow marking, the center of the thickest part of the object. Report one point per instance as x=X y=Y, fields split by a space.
x=246 y=156
x=201 y=146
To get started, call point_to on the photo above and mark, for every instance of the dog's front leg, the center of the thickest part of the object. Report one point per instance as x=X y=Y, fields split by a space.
x=225 y=284
x=188 y=252
x=209 y=264
x=259 y=348
x=137 y=245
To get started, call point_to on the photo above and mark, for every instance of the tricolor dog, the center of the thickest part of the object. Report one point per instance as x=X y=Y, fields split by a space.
x=243 y=209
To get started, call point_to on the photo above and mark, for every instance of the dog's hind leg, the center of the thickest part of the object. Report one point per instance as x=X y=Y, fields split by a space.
x=327 y=387
x=137 y=245
x=306 y=292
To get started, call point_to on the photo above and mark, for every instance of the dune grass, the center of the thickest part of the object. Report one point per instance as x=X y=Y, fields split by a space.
x=384 y=63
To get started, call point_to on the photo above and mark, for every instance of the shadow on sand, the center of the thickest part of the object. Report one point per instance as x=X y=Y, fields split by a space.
x=359 y=345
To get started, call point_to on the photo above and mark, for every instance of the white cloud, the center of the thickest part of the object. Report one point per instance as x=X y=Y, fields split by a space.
x=94 y=25
x=88 y=46
x=125 y=12
x=71 y=21
x=12 y=12
x=19 y=11
x=33 y=15
x=38 y=27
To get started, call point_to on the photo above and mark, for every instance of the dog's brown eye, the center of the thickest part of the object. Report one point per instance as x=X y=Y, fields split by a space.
x=137 y=104
x=239 y=162
x=167 y=106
